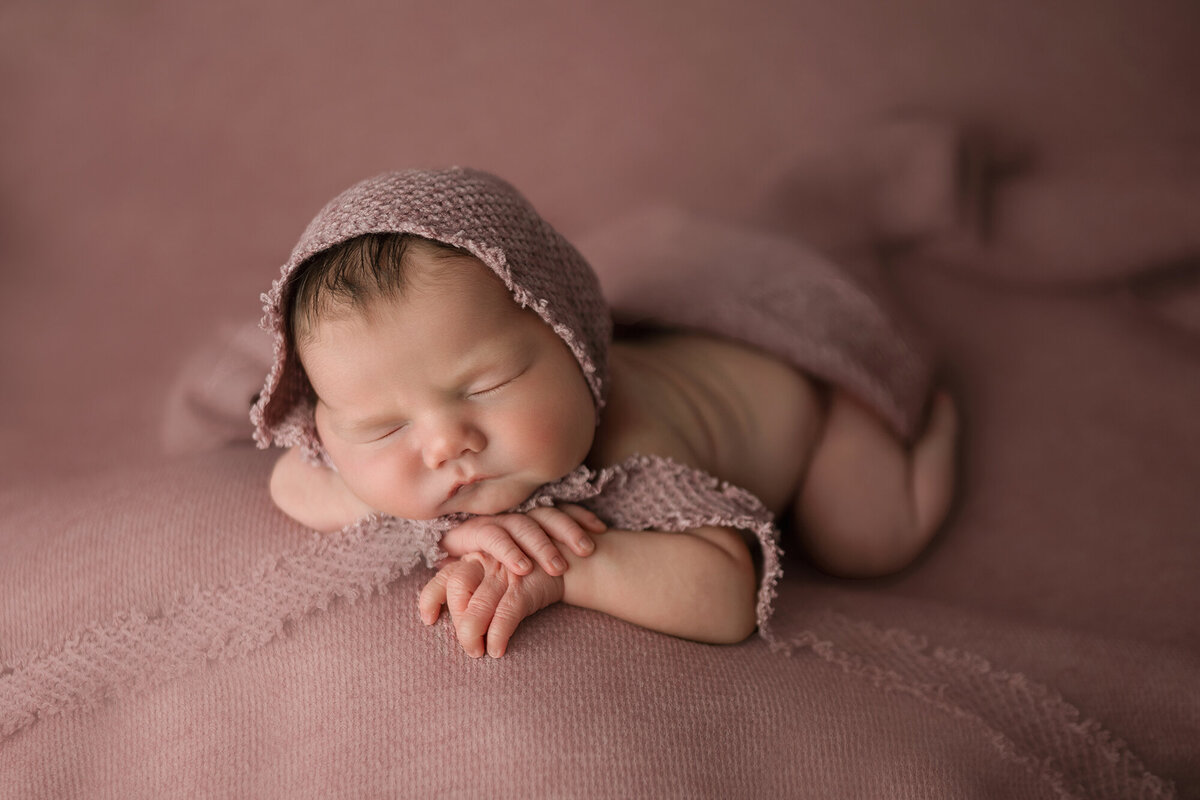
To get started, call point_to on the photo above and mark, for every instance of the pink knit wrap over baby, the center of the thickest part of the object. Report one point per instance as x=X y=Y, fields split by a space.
x=659 y=269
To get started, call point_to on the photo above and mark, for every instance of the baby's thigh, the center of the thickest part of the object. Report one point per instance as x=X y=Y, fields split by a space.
x=854 y=509
x=789 y=418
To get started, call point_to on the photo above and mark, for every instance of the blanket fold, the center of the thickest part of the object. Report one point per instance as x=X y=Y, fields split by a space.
x=666 y=268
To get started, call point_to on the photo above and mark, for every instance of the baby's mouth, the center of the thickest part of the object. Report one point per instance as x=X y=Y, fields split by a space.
x=467 y=484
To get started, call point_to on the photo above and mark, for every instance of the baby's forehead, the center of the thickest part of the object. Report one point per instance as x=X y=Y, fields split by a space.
x=447 y=292
x=426 y=275
x=426 y=267
x=460 y=283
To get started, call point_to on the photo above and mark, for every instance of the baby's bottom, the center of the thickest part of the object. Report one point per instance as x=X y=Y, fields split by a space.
x=868 y=504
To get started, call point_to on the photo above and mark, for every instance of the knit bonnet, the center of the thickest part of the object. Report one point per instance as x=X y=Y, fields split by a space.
x=464 y=208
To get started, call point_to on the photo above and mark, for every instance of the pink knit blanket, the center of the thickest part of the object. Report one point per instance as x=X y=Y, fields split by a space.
x=763 y=290
x=249 y=627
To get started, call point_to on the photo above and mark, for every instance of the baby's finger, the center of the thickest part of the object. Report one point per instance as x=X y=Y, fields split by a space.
x=461 y=580
x=433 y=595
x=584 y=517
x=527 y=530
x=473 y=626
x=470 y=619
x=489 y=538
x=504 y=625
x=564 y=528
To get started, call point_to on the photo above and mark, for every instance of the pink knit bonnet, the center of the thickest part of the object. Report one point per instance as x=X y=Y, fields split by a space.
x=464 y=208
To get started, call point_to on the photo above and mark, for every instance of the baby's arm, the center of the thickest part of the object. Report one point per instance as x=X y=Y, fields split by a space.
x=312 y=495
x=698 y=585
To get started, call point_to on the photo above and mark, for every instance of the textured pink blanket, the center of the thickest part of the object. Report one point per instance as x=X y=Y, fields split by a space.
x=189 y=640
x=176 y=634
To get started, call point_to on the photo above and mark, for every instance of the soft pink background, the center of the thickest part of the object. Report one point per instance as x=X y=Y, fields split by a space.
x=158 y=160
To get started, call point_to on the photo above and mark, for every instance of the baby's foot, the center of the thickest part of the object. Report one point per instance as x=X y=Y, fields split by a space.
x=935 y=466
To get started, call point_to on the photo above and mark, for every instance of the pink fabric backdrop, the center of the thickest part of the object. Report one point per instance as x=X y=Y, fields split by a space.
x=154 y=159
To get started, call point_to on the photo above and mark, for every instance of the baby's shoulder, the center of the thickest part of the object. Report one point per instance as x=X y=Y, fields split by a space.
x=729 y=410
x=641 y=417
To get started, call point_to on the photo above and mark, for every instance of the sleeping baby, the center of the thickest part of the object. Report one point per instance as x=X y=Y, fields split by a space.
x=443 y=354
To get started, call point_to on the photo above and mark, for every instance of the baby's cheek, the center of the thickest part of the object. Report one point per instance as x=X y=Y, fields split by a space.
x=553 y=436
x=377 y=482
x=352 y=474
x=536 y=428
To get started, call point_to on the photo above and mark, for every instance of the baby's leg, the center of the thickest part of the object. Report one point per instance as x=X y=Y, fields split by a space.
x=869 y=504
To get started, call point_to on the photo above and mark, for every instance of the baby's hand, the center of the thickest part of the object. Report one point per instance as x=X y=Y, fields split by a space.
x=486 y=600
x=314 y=496
x=514 y=539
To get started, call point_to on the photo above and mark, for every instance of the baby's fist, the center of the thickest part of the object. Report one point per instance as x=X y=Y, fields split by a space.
x=486 y=600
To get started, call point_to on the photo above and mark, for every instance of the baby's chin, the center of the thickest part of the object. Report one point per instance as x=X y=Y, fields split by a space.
x=471 y=500
x=489 y=498
x=486 y=498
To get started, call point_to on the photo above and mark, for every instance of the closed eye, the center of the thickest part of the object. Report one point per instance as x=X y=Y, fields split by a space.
x=390 y=432
x=493 y=389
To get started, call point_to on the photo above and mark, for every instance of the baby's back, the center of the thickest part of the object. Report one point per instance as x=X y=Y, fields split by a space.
x=733 y=411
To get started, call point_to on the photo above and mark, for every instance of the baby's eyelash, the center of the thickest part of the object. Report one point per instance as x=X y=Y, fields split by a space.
x=497 y=387
x=396 y=429
x=486 y=392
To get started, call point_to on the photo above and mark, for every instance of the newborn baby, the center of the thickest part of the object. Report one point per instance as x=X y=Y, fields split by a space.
x=416 y=380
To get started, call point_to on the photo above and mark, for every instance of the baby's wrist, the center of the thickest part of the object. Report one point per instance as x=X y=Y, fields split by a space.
x=578 y=581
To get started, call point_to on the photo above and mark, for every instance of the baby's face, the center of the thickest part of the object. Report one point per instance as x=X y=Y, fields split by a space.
x=450 y=398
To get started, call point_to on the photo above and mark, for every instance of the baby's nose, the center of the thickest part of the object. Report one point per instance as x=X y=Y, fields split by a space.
x=449 y=441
